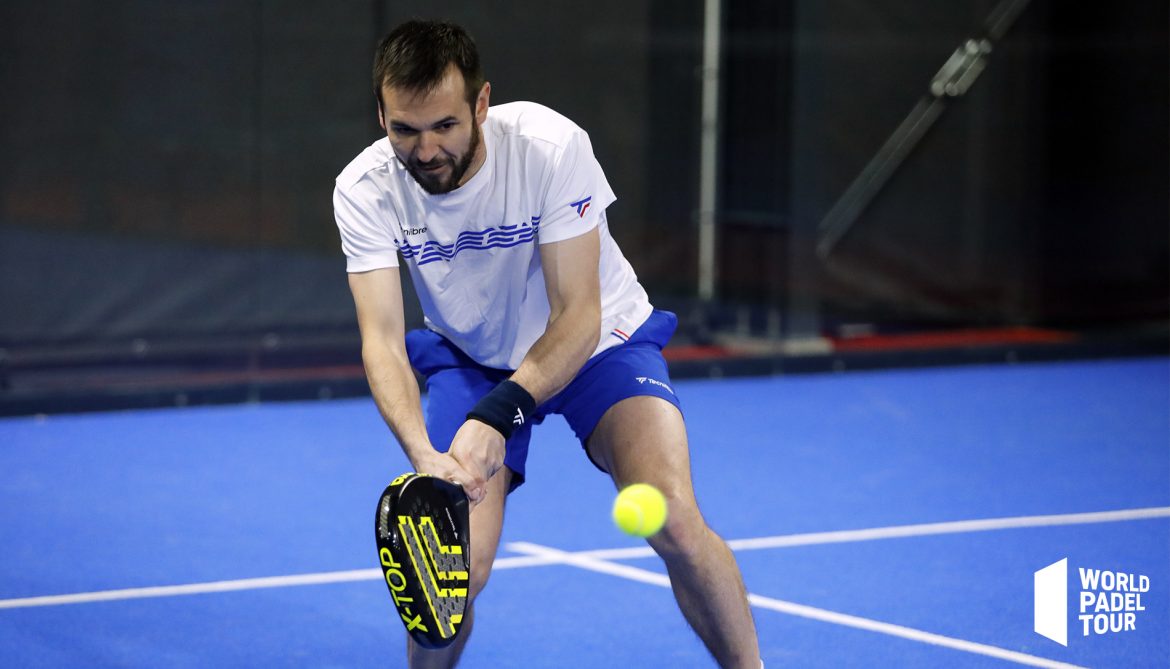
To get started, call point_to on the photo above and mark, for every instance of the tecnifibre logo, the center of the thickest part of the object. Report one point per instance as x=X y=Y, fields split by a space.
x=1108 y=602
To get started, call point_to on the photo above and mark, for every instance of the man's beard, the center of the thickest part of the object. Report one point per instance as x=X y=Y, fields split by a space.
x=435 y=184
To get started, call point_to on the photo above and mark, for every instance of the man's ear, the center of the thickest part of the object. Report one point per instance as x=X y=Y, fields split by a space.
x=381 y=116
x=482 y=101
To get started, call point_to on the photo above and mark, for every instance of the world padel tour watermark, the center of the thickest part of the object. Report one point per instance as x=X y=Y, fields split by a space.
x=1107 y=602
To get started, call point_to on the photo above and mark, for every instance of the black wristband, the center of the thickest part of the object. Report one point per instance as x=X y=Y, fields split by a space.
x=506 y=408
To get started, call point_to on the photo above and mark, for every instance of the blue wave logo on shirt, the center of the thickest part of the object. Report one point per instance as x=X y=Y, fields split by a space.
x=502 y=237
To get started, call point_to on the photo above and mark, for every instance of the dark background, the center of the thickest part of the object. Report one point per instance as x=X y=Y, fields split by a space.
x=166 y=168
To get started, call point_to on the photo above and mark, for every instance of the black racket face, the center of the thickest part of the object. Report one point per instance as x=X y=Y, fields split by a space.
x=421 y=526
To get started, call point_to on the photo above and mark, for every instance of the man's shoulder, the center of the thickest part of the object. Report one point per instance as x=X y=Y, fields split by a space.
x=375 y=158
x=530 y=121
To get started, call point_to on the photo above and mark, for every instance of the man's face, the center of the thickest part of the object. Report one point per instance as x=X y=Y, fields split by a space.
x=435 y=135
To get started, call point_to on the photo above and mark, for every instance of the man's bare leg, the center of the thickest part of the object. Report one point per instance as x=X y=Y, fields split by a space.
x=643 y=440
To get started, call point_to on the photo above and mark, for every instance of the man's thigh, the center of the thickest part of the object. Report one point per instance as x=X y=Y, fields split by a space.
x=487 y=522
x=618 y=376
x=643 y=439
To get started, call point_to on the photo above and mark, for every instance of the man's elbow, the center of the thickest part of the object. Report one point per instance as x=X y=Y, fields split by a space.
x=379 y=351
x=585 y=317
x=592 y=323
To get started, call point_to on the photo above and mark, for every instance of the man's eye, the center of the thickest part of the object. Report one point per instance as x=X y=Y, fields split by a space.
x=444 y=127
x=402 y=130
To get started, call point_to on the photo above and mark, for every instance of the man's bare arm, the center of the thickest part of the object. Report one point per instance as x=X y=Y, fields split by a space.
x=377 y=294
x=574 y=324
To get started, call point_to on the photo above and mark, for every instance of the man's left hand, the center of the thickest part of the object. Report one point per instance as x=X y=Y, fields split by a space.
x=479 y=449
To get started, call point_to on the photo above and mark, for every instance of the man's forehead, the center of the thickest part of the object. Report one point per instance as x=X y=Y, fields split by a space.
x=444 y=99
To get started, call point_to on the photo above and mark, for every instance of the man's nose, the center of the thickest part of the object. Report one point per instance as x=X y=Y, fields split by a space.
x=428 y=147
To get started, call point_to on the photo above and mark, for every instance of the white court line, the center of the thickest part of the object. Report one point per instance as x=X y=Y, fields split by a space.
x=520 y=561
x=823 y=615
x=229 y=586
x=953 y=527
x=902 y=531
x=195 y=588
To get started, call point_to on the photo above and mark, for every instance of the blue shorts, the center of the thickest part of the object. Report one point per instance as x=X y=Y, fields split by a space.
x=455 y=383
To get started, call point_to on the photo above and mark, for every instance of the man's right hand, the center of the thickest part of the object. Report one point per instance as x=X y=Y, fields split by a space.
x=443 y=466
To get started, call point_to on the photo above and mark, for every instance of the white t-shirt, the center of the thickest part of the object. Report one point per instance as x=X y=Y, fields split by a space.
x=472 y=253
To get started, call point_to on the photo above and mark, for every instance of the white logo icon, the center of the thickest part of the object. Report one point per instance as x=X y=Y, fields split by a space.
x=519 y=419
x=1050 y=606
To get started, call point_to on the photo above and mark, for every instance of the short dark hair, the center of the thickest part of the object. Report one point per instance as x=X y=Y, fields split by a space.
x=416 y=54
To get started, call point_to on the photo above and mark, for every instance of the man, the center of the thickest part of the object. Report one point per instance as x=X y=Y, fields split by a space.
x=499 y=215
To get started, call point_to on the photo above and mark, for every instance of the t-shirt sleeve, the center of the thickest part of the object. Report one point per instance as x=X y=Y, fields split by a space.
x=366 y=231
x=578 y=193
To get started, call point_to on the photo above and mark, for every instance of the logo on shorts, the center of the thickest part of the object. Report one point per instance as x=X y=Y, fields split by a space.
x=646 y=379
x=581 y=205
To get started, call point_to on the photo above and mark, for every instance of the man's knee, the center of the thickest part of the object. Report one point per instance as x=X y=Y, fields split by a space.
x=685 y=534
x=478 y=581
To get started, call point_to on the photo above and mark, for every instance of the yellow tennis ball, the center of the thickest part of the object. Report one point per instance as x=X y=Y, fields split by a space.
x=639 y=510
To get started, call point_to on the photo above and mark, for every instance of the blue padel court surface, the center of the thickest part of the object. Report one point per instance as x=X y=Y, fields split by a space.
x=881 y=519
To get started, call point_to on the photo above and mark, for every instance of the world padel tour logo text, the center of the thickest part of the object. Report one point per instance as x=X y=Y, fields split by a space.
x=1108 y=602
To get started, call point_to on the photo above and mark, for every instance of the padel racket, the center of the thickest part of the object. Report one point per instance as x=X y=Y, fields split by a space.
x=422 y=526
